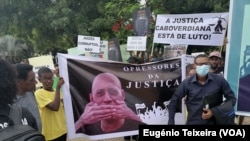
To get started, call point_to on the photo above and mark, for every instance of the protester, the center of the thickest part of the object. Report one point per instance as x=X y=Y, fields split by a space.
x=156 y=56
x=51 y=106
x=215 y=60
x=132 y=60
x=26 y=83
x=195 y=88
x=24 y=61
x=8 y=90
x=190 y=70
x=107 y=111
x=241 y=119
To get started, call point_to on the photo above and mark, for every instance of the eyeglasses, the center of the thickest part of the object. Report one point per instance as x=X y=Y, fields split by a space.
x=204 y=63
x=111 y=92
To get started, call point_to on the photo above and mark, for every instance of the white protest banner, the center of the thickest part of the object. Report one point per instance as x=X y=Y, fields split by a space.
x=136 y=43
x=88 y=43
x=103 y=50
x=192 y=29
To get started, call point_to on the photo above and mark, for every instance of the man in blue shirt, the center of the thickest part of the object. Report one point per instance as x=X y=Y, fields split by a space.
x=195 y=88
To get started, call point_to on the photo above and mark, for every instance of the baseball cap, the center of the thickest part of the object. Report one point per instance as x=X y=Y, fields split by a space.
x=215 y=53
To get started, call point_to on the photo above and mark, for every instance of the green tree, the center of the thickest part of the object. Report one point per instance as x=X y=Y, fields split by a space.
x=8 y=46
x=14 y=49
x=49 y=24
x=53 y=25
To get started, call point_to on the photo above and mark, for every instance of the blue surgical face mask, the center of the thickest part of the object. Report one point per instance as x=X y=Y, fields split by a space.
x=202 y=70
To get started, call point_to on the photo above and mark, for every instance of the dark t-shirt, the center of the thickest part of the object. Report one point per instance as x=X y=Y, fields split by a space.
x=27 y=118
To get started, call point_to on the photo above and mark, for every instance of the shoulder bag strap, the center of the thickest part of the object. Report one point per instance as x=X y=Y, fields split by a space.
x=15 y=114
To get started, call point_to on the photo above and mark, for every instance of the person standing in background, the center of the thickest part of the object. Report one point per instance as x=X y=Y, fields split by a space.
x=215 y=63
x=8 y=90
x=195 y=88
x=26 y=83
x=24 y=61
x=51 y=106
x=190 y=70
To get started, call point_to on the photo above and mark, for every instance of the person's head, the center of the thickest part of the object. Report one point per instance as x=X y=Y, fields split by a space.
x=106 y=89
x=190 y=70
x=215 y=60
x=45 y=76
x=201 y=65
x=132 y=60
x=189 y=67
x=25 y=61
x=8 y=86
x=26 y=78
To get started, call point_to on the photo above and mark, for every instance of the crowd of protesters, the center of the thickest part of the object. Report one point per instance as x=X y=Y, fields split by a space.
x=44 y=109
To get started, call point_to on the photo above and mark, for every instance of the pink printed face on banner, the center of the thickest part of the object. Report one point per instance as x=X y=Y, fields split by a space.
x=106 y=91
x=107 y=95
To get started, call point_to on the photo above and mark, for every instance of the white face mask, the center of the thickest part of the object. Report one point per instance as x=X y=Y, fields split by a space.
x=202 y=70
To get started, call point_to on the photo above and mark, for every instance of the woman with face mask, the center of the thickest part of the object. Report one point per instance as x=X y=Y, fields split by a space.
x=195 y=88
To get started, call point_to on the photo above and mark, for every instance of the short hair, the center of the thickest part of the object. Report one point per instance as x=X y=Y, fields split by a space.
x=56 y=65
x=200 y=56
x=23 y=70
x=188 y=68
x=132 y=59
x=43 y=70
x=8 y=86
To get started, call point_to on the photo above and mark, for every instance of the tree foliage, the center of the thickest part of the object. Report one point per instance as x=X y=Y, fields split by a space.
x=53 y=25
